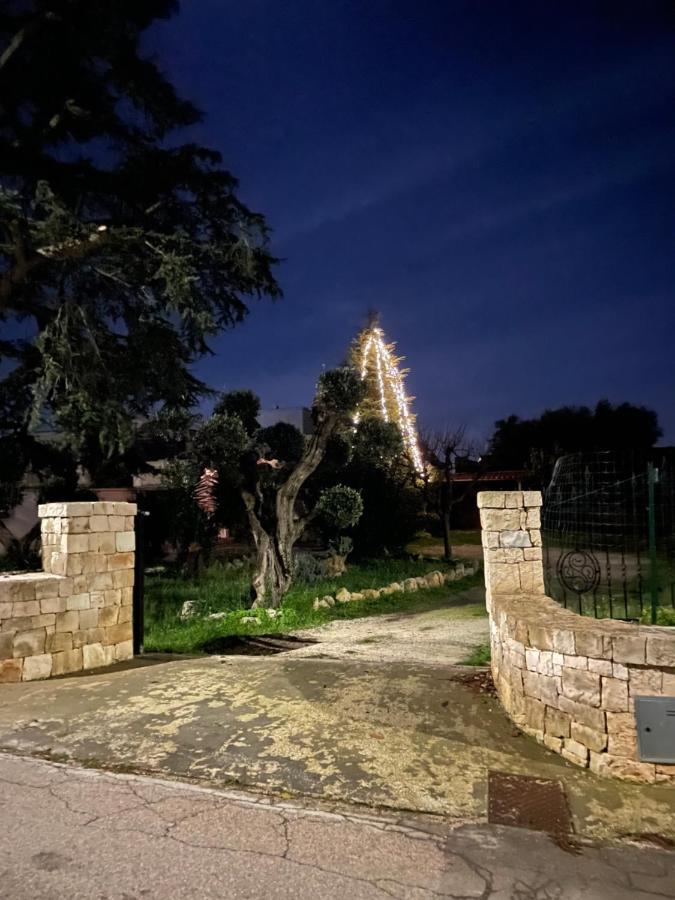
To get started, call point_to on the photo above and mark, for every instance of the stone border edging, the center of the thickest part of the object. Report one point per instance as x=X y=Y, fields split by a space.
x=408 y=585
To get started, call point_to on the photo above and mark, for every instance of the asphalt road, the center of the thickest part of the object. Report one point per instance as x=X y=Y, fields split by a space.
x=88 y=835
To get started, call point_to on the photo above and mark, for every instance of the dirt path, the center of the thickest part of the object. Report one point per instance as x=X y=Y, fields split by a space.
x=439 y=636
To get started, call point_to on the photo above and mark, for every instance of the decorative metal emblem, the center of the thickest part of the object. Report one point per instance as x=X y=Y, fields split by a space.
x=579 y=571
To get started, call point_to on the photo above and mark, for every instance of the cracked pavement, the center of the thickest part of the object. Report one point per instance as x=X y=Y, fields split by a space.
x=86 y=834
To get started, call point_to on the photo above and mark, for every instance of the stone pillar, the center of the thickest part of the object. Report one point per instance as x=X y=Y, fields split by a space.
x=91 y=547
x=511 y=537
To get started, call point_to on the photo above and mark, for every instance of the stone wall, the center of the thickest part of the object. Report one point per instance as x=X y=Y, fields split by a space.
x=567 y=680
x=77 y=613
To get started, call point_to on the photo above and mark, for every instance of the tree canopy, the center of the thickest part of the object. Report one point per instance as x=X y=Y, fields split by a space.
x=525 y=443
x=122 y=249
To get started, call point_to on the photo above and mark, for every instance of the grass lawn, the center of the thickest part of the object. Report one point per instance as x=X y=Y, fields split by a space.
x=220 y=590
x=424 y=541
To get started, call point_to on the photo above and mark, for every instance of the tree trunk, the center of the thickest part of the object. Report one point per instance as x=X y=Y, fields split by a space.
x=272 y=577
x=274 y=544
x=446 y=505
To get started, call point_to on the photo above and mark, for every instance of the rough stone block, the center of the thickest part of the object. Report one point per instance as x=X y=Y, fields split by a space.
x=490 y=539
x=68 y=621
x=67 y=661
x=60 y=640
x=668 y=684
x=629 y=649
x=53 y=605
x=539 y=636
x=74 y=543
x=66 y=587
x=36 y=667
x=10 y=670
x=491 y=499
x=127 y=596
x=116 y=523
x=587 y=715
x=500 y=519
x=581 y=687
x=125 y=650
x=122 y=578
x=624 y=744
x=618 y=767
x=575 y=752
x=114 y=597
x=601 y=666
x=557 y=723
x=96 y=599
x=589 y=737
x=532 y=659
x=619 y=671
x=645 y=682
x=120 y=561
x=590 y=642
x=77 y=602
x=99 y=523
x=108 y=615
x=534 y=713
x=26 y=608
x=125 y=613
x=576 y=662
x=563 y=641
x=6 y=645
x=118 y=634
x=29 y=643
x=515 y=538
x=89 y=618
x=76 y=525
x=6 y=610
x=620 y=722
x=532 y=554
x=553 y=743
x=533 y=519
x=93 y=656
x=103 y=581
x=661 y=651
x=504 y=579
x=532 y=498
x=47 y=589
x=102 y=542
x=614 y=694
x=513 y=499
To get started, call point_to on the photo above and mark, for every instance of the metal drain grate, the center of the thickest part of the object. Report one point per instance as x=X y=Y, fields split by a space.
x=525 y=802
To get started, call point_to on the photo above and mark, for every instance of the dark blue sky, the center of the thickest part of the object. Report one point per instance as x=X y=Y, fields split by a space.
x=498 y=179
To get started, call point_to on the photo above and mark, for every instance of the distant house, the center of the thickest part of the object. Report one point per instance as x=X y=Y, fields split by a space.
x=300 y=416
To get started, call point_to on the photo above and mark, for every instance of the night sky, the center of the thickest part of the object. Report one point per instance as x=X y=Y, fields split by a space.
x=497 y=179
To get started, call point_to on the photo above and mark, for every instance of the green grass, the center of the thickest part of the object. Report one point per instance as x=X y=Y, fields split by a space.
x=423 y=541
x=480 y=656
x=220 y=590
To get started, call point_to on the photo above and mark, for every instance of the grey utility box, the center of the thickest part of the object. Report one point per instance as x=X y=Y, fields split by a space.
x=655 y=720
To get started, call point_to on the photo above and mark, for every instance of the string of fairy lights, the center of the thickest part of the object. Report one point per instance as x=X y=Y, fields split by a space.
x=395 y=405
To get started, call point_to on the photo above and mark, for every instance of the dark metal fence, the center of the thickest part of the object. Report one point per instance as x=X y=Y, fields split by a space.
x=608 y=530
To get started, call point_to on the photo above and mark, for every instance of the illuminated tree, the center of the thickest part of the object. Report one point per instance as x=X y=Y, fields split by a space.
x=386 y=397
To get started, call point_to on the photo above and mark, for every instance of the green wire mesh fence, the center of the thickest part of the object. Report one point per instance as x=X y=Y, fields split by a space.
x=608 y=529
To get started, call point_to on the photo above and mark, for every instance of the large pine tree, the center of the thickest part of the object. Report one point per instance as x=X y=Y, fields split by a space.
x=122 y=250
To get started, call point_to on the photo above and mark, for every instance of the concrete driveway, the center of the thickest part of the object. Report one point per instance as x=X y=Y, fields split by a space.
x=390 y=735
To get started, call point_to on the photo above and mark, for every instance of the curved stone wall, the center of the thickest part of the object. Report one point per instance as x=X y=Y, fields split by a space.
x=568 y=680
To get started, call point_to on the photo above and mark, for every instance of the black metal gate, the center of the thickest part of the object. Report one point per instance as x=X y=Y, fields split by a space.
x=608 y=530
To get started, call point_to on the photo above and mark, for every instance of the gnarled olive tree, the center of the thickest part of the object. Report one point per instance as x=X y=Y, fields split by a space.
x=271 y=494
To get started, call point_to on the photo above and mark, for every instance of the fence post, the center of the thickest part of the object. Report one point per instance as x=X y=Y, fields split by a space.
x=652 y=479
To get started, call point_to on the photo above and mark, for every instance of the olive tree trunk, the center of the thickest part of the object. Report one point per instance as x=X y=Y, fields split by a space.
x=276 y=539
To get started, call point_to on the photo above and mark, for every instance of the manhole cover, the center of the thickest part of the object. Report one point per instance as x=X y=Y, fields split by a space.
x=525 y=802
